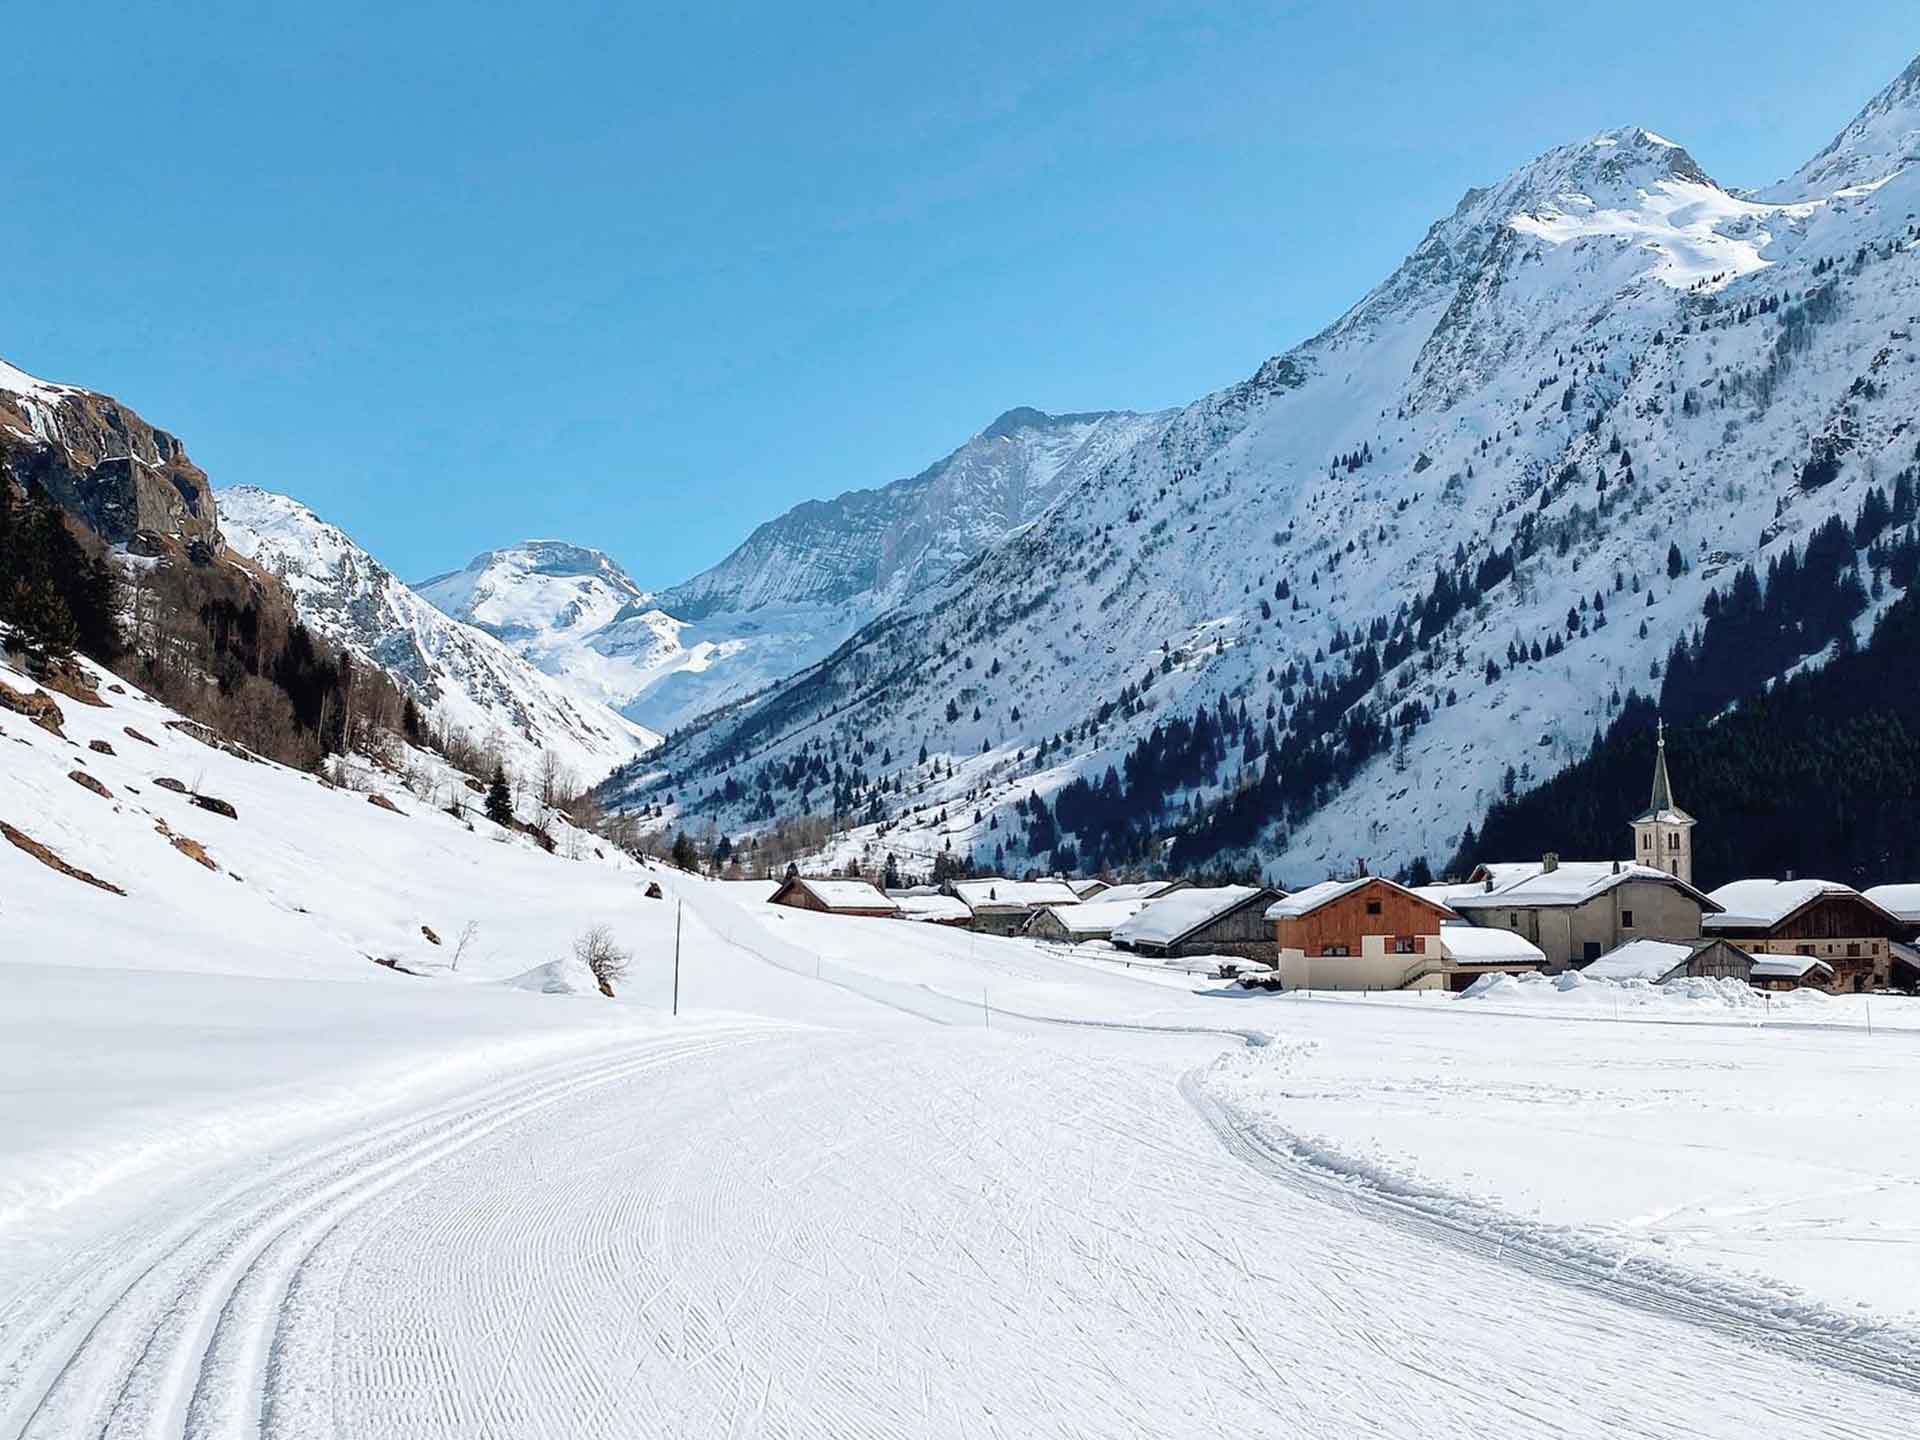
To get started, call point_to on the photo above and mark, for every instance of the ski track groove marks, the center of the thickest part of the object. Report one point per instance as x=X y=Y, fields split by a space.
x=868 y=1236
x=1889 y=1357
x=160 y=1339
x=846 y=1235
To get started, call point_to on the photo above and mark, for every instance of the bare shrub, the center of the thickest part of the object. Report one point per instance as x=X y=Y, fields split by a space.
x=604 y=959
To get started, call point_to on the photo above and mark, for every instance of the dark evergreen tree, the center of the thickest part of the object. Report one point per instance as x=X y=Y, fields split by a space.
x=499 y=797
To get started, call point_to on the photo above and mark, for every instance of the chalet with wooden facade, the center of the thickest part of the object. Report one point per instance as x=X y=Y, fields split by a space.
x=1218 y=920
x=1361 y=934
x=1816 y=919
x=836 y=897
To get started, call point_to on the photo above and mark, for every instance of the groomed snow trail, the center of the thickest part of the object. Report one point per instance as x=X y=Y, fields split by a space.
x=898 y=1232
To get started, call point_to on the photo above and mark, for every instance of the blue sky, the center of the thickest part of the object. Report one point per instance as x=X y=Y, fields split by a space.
x=643 y=276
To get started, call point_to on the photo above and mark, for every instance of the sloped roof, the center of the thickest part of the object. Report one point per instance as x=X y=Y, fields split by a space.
x=848 y=894
x=1171 y=918
x=1640 y=960
x=1787 y=967
x=1899 y=900
x=933 y=907
x=1014 y=894
x=1762 y=904
x=1572 y=882
x=1086 y=889
x=1469 y=944
x=1138 y=890
x=1097 y=916
x=1305 y=902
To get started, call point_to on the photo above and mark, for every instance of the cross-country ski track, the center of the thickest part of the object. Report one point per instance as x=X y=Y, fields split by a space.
x=852 y=1222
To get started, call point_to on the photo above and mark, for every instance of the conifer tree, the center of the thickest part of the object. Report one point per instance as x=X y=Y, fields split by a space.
x=499 y=797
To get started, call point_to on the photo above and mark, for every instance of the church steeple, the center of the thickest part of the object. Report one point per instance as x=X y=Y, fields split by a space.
x=1663 y=832
x=1662 y=786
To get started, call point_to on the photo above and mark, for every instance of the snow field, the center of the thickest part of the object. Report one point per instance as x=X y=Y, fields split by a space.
x=877 y=1178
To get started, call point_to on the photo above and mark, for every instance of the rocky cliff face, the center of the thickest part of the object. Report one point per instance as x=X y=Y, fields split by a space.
x=133 y=485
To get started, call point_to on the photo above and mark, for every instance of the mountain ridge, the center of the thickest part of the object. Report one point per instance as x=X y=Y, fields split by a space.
x=1605 y=354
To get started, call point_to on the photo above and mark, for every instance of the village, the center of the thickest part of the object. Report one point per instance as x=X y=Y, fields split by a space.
x=1634 y=918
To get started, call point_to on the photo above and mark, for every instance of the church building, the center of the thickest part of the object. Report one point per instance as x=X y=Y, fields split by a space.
x=1663 y=832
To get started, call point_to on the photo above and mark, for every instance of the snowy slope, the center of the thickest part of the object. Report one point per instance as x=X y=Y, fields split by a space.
x=797 y=588
x=253 y=1183
x=1603 y=354
x=462 y=678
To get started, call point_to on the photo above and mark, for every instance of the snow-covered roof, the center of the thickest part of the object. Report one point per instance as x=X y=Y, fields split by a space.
x=1447 y=892
x=1639 y=960
x=932 y=907
x=1746 y=904
x=1305 y=902
x=1097 y=916
x=1137 y=890
x=848 y=894
x=1172 y=917
x=1787 y=967
x=1571 y=882
x=1902 y=901
x=1085 y=888
x=1014 y=894
x=1469 y=944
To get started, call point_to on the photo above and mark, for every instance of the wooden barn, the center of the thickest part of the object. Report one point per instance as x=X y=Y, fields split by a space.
x=1815 y=919
x=836 y=897
x=1217 y=920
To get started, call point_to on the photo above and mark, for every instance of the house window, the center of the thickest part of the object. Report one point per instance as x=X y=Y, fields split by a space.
x=1626 y=919
x=1673 y=840
x=1334 y=950
x=1591 y=951
x=1646 y=841
x=1853 y=951
x=1373 y=907
x=1513 y=918
x=1805 y=950
x=1403 y=945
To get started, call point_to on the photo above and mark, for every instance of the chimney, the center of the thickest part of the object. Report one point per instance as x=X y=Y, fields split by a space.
x=1489 y=884
x=1616 y=867
x=1549 y=863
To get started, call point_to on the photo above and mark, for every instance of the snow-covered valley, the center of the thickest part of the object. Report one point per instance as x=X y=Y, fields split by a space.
x=874 y=1177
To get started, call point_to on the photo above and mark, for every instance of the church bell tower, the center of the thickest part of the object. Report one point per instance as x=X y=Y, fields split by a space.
x=1663 y=832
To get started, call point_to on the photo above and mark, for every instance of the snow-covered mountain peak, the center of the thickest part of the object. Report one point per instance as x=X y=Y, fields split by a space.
x=1026 y=417
x=1883 y=139
x=536 y=588
x=463 y=678
x=867 y=548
